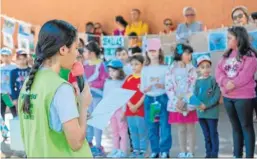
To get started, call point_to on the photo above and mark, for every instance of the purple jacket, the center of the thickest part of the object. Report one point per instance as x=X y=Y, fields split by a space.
x=117 y=32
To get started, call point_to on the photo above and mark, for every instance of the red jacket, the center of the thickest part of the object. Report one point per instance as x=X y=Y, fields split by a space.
x=133 y=83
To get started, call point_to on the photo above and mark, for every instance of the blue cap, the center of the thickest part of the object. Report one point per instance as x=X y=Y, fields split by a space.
x=6 y=51
x=115 y=64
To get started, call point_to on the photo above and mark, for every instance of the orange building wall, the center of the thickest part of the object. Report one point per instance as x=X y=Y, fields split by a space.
x=212 y=13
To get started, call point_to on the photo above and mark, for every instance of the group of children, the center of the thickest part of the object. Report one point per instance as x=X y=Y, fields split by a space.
x=13 y=76
x=179 y=94
x=165 y=95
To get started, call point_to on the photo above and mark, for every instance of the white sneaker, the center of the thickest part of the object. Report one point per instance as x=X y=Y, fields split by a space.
x=182 y=155
x=113 y=153
x=190 y=155
x=120 y=154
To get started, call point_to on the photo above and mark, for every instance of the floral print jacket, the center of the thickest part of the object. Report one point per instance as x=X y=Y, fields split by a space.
x=179 y=84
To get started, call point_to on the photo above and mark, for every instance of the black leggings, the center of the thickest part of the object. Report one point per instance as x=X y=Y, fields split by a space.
x=255 y=106
x=3 y=109
x=241 y=118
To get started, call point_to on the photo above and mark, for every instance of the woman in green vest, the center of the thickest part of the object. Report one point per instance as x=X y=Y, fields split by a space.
x=53 y=124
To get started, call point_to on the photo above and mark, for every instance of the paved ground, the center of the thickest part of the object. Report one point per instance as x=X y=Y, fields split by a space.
x=224 y=132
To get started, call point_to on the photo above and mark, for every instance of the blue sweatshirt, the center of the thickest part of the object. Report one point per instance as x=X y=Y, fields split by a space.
x=5 y=77
x=17 y=79
x=208 y=92
x=184 y=31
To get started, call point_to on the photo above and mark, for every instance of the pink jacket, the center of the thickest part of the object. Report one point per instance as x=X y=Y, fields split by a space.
x=241 y=73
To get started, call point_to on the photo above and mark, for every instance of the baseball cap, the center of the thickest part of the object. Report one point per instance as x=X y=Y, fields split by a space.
x=116 y=63
x=153 y=44
x=21 y=52
x=203 y=58
x=6 y=51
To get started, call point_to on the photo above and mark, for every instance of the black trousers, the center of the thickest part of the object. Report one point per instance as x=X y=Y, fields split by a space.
x=240 y=112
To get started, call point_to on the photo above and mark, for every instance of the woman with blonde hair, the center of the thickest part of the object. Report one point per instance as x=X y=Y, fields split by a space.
x=240 y=16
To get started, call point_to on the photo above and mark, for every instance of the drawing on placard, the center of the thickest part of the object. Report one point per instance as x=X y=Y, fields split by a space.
x=217 y=41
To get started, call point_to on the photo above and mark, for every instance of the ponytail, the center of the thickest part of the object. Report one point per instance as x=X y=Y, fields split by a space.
x=53 y=35
x=31 y=77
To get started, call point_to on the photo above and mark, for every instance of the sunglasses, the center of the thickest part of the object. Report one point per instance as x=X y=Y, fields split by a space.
x=190 y=15
x=168 y=24
x=238 y=16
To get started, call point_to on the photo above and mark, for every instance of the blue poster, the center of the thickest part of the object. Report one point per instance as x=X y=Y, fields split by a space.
x=110 y=44
x=24 y=29
x=253 y=38
x=217 y=41
x=196 y=55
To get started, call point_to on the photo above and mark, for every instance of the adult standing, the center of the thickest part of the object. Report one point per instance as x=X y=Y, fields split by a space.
x=235 y=76
x=52 y=124
x=190 y=25
x=121 y=25
x=137 y=25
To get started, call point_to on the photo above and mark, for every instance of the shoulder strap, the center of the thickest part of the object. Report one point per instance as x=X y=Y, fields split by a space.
x=95 y=75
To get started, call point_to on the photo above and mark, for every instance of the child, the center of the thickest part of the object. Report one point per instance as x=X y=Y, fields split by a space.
x=179 y=85
x=118 y=124
x=95 y=75
x=6 y=68
x=133 y=41
x=90 y=31
x=207 y=91
x=155 y=104
x=19 y=74
x=122 y=54
x=235 y=76
x=135 y=109
x=136 y=51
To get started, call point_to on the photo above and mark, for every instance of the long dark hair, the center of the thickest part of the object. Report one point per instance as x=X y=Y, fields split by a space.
x=121 y=20
x=244 y=45
x=92 y=46
x=161 y=58
x=180 y=49
x=53 y=35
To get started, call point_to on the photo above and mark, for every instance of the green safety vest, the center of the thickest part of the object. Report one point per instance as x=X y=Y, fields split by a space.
x=38 y=138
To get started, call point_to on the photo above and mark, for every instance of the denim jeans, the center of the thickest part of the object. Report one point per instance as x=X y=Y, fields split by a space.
x=138 y=132
x=159 y=133
x=92 y=131
x=240 y=112
x=211 y=137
